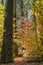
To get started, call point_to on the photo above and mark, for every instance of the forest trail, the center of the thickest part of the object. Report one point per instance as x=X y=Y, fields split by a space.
x=21 y=61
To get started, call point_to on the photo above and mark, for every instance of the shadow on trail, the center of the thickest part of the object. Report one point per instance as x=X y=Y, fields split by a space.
x=36 y=61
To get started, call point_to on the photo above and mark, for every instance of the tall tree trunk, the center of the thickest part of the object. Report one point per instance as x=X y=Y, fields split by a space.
x=16 y=49
x=35 y=22
x=7 y=55
x=14 y=11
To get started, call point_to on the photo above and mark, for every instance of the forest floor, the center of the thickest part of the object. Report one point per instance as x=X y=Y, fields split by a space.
x=23 y=61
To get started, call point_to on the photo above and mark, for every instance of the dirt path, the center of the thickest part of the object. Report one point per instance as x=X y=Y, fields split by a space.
x=22 y=61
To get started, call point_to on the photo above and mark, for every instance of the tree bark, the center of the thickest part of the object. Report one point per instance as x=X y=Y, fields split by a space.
x=7 y=55
x=15 y=28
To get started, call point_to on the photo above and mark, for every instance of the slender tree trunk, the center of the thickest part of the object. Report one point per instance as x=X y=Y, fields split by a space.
x=16 y=49
x=7 y=55
x=22 y=13
x=35 y=23
x=15 y=11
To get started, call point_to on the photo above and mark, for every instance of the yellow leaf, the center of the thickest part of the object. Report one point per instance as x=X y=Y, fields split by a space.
x=19 y=12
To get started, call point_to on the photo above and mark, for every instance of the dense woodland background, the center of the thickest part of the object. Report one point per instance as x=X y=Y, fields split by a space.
x=21 y=29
